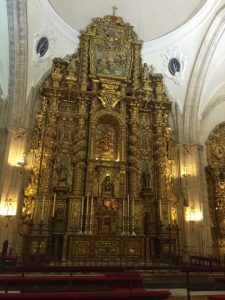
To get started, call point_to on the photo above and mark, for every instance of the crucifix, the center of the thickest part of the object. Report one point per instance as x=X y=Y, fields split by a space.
x=114 y=9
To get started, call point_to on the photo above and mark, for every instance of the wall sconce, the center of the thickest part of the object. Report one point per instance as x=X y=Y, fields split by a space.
x=22 y=163
x=185 y=172
x=8 y=209
x=192 y=214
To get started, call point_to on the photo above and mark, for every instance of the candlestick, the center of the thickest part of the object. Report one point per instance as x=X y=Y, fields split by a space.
x=169 y=216
x=42 y=208
x=81 y=215
x=123 y=220
x=123 y=208
x=91 y=206
x=87 y=215
x=128 y=214
x=82 y=206
x=133 y=232
x=87 y=208
x=91 y=216
x=32 y=212
x=128 y=206
x=133 y=208
x=160 y=210
x=53 y=208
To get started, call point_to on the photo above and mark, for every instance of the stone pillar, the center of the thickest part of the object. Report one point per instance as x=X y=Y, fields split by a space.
x=197 y=230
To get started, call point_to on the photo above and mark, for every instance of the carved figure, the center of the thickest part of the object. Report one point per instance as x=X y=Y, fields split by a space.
x=58 y=221
x=145 y=180
x=27 y=207
x=107 y=186
x=145 y=72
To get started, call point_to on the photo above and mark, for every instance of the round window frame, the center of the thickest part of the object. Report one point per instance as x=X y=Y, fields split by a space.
x=171 y=66
x=42 y=42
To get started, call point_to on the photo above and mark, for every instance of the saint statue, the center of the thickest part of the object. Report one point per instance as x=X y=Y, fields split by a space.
x=107 y=186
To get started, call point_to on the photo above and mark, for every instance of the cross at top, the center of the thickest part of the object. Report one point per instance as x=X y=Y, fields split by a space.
x=114 y=9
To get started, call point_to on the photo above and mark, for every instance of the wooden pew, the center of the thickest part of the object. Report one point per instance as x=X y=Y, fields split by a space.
x=220 y=279
x=71 y=269
x=93 y=295
x=52 y=282
x=195 y=269
x=216 y=297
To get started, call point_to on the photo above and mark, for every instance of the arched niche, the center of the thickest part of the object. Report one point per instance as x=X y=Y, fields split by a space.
x=106 y=135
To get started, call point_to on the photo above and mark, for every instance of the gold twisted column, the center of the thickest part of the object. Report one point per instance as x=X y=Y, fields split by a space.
x=80 y=151
x=133 y=152
x=136 y=66
x=85 y=56
x=160 y=152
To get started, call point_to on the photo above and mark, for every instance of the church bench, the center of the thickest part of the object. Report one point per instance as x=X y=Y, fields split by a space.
x=220 y=279
x=138 y=294
x=198 y=269
x=15 y=282
x=216 y=297
x=69 y=269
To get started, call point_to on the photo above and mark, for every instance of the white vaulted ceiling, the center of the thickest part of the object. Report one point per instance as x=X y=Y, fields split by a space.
x=150 y=18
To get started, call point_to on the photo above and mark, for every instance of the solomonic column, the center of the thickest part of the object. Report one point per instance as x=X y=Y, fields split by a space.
x=80 y=150
x=133 y=164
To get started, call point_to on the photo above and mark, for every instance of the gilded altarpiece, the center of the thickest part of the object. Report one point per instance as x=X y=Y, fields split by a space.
x=101 y=183
x=215 y=172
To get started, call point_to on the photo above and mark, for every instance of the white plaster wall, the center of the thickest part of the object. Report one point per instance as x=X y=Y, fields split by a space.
x=215 y=115
x=60 y=47
x=188 y=39
x=214 y=77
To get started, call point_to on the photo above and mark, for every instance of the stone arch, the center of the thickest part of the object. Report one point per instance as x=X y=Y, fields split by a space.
x=205 y=55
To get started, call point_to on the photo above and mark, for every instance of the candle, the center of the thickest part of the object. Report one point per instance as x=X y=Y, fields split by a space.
x=169 y=215
x=87 y=208
x=128 y=205
x=53 y=208
x=123 y=207
x=32 y=212
x=42 y=208
x=160 y=209
x=91 y=206
x=82 y=206
x=133 y=207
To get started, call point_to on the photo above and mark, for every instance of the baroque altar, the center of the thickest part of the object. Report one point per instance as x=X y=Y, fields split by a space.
x=102 y=179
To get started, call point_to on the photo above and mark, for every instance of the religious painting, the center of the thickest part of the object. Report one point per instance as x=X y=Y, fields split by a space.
x=111 y=52
x=61 y=175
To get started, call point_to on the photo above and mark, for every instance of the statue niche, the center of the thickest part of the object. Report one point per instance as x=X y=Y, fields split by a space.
x=106 y=146
x=61 y=175
x=107 y=187
x=145 y=175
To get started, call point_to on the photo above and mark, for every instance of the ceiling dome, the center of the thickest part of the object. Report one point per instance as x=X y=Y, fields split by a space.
x=151 y=19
